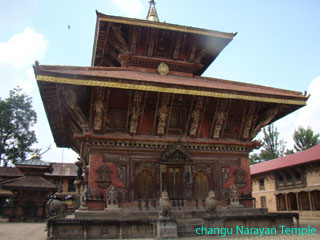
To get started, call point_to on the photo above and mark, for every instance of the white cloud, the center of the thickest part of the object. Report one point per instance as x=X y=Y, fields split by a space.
x=17 y=56
x=16 y=59
x=308 y=116
x=23 y=49
x=130 y=8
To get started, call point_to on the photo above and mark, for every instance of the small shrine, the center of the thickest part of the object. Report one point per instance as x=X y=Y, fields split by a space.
x=144 y=121
x=30 y=192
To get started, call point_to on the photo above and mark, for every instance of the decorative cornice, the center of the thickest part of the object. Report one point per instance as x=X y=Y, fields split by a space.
x=162 y=146
x=141 y=87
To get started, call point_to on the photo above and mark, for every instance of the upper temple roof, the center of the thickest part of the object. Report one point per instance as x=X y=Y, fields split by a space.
x=134 y=43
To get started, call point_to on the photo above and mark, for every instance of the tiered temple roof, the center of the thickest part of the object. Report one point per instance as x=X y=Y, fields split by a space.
x=157 y=59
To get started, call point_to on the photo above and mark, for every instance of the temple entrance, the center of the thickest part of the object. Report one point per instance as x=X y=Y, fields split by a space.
x=175 y=184
x=175 y=172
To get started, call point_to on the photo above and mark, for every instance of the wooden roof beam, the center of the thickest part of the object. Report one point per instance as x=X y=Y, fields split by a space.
x=105 y=44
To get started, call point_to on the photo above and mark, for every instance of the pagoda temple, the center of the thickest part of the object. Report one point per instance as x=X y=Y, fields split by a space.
x=144 y=121
x=30 y=190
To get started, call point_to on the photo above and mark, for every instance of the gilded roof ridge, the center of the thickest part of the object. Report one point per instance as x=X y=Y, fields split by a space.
x=54 y=68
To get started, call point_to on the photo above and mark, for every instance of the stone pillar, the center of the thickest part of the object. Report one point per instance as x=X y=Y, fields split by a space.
x=286 y=201
x=297 y=199
x=310 y=202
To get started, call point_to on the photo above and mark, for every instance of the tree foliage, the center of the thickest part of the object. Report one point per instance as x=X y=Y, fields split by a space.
x=305 y=138
x=273 y=147
x=17 y=117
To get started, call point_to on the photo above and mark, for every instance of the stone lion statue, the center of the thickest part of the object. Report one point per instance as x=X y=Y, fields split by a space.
x=56 y=208
x=211 y=202
x=165 y=205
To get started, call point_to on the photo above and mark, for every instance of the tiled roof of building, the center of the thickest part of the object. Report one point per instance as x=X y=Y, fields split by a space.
x=309 y=155
x=10 y=172
x=143 y=77
x=5 y=193
x=31 y=182
x=34 y=161
x=63 y=169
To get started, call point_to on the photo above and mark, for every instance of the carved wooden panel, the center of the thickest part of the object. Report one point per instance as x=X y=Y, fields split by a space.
x=116 y=121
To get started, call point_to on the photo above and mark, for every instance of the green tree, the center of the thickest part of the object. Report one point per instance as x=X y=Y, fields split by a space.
x=272 y=148
x=17 y=117
x=304 y=138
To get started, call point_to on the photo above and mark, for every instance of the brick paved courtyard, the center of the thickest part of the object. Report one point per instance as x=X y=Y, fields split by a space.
x=35 y=231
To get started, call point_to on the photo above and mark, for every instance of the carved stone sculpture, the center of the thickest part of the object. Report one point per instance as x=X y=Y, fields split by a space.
x=225 y=173
x=165 y=205
x=112 y=198
x=211 y=202
x=240 y=177
x=234 y=197
x=84 y=198
x=56 y=208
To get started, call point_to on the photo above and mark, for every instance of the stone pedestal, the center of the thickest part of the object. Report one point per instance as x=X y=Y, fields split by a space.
x=167 y=228
x=112 y=208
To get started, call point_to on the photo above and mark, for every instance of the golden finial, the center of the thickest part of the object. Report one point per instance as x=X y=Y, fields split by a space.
x=36 y=153
x=152 y=13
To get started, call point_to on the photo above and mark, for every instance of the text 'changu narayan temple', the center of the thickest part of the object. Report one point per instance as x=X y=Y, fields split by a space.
x=144 y=122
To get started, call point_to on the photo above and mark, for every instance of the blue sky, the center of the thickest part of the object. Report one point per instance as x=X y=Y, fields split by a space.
x=277 y=45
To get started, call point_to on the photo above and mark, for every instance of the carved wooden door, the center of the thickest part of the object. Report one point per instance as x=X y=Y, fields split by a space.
x=175 y=185
x=145 y=187
x=201 y=185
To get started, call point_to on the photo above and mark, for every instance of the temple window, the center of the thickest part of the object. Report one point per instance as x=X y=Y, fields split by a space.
x=280 y=179
x=289 y=179
x=71 y=187
x=263 y=202
x=297 y=176
x=261 y=184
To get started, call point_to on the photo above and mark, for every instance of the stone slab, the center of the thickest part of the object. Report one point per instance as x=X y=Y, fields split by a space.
x=167 y=229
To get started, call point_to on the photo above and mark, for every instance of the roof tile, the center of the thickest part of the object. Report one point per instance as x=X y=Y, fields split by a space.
x=306 y=156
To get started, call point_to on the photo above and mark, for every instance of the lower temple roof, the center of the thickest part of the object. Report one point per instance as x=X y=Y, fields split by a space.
x=135 y=80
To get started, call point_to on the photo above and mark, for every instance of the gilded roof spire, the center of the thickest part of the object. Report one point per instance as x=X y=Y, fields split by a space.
x=152 y=13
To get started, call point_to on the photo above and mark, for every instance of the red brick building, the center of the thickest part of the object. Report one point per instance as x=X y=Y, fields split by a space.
x=290 y=183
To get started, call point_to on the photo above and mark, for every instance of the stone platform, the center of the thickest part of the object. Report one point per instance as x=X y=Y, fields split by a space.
x=147 y=224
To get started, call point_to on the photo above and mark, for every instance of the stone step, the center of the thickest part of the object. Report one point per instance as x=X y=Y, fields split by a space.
x=187 y=227
x=4 y=220
x=187 y=214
